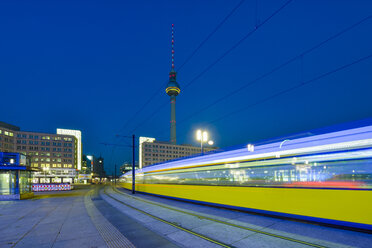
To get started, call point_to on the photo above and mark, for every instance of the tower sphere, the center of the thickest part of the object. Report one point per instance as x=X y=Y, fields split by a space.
x=173 y=88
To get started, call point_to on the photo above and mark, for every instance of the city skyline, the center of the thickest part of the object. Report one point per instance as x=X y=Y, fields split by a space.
x=92 y=66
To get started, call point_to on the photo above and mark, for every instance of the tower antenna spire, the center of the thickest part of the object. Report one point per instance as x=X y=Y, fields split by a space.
x=172 y=90
x=173 y=46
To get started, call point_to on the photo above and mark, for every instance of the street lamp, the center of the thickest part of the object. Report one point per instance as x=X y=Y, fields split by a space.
x=45 y=169
x=202 y=136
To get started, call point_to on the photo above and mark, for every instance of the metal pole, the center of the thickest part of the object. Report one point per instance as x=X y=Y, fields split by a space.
x=201 y=146
x=134 y=164
x=115 y=175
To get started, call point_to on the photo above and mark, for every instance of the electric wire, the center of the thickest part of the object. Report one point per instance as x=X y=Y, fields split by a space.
x=277 y=68
x=237 y=44
x=210 y=35
x=183 y=64
x=293 y=88
x=141 y=108
x=228 y=51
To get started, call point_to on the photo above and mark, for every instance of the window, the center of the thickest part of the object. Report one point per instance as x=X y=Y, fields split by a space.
x=30 y=142
x=36 y=137
x=30 y=136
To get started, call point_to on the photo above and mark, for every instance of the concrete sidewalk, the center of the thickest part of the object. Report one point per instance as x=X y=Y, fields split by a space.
x=48 y=222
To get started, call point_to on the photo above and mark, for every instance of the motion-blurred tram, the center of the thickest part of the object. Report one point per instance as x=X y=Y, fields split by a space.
x=324 y=178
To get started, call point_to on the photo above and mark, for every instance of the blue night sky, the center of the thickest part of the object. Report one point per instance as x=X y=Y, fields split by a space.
x=91 y=65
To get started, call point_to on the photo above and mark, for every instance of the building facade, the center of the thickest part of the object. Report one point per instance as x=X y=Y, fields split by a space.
x=152 y=151
x=7 y=138
x=95 y=165
x=55 y=156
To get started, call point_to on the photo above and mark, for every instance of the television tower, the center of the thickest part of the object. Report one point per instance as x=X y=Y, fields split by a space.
x=173 y=89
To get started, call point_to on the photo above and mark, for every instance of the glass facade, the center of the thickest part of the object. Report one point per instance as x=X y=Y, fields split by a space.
x=8 y=182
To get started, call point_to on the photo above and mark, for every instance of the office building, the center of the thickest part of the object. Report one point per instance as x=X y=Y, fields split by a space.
x=152 y=151
x=54 y=155
x=7 y=132
x=95 y=166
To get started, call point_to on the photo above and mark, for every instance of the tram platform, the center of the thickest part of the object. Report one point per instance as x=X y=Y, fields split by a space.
x=103 y=216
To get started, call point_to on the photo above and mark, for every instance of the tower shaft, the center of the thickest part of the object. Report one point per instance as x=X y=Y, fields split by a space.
x=173 y=137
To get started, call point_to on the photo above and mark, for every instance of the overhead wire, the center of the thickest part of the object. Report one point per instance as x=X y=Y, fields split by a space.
x=210 y=66
x=183 y=64
x=279 y=67
x=293 y=88
x=237 y=44
x=210 y=35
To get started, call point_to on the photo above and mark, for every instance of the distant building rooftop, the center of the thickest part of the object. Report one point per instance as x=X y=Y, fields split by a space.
x=9 y=126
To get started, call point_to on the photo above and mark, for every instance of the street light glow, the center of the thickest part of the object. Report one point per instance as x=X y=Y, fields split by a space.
x=199 y=135
x=250 y=147
x=90 y=157
x=205 y=136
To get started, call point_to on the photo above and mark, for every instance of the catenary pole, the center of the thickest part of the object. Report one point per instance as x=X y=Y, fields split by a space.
x=134 y=164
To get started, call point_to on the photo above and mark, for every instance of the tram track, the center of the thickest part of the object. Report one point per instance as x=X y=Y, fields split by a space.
x=200 y=216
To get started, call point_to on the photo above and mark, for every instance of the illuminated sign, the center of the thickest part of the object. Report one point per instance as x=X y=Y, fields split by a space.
x=85 y=176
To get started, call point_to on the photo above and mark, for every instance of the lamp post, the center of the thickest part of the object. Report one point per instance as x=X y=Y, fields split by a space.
x=202 y=136
x=45 y=169
x=90 y=157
